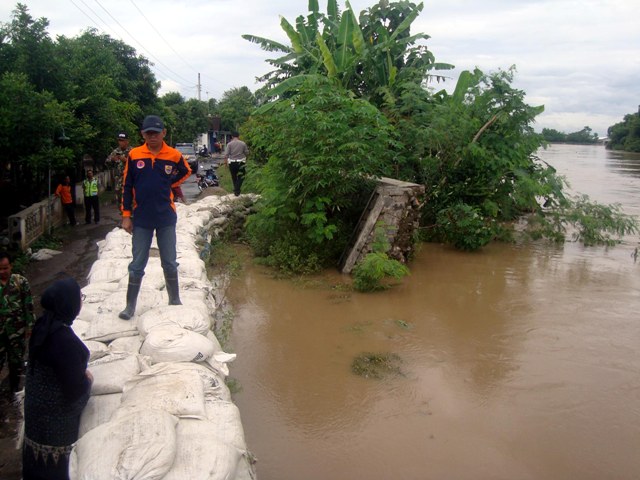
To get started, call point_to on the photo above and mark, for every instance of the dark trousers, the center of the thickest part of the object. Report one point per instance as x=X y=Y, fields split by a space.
x=70 y=210
x=13 y=349
x=89 y=204
x=237 y=170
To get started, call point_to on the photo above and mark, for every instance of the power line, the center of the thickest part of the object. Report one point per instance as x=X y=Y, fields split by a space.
x=160 y=35
x=141 y=45
x=115 y=35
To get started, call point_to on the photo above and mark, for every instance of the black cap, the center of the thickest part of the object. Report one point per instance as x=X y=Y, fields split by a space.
x=152 y=123
x=122 y=136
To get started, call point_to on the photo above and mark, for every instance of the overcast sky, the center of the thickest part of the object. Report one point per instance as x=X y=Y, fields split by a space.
x=580 y=59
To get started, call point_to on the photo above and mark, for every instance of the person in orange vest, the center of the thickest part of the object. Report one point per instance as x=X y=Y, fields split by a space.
x=63 y=192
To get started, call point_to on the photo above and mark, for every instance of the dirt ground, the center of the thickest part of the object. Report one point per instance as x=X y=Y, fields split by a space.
x=79 y=251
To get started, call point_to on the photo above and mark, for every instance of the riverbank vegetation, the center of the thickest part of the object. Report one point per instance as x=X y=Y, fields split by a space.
x=351 y=98
x=626 y=134
x=584 y=136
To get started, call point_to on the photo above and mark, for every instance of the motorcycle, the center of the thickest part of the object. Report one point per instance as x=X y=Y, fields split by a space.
x=209 y=179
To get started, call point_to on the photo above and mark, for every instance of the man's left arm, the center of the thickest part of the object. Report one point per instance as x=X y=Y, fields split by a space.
x=183 y=172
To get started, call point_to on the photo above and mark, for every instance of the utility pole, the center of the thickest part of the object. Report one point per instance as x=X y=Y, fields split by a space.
x=199 y=87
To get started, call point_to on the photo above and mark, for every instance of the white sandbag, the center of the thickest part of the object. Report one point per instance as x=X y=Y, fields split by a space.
x=97 y=292
x=200 y=455
x=196 y=284
x=225 y=416
x=182 y=316
x=153 y=278
x=212 y=337
x=194 y=298
x=45 y=254
x=192 y=268
x=213 y=383
x=122 y=250
x=116 y=302
x=126 y=344
x=89 y=311
x=105 y=328
x=188 y=253
x=139 y=446
x=114 y=239
x=98 y=410
x=108 y=270
x=112 y=371
x=180 y=394
x=80 y=328
x=96 y=349
x=246 y=468
x=188 y=229
x=175 y=344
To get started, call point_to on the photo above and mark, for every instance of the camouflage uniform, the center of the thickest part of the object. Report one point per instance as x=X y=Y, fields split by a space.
x=116 y=160
x=16 y=320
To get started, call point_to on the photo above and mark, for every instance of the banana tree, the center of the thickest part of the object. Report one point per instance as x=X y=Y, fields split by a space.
x=365 y=55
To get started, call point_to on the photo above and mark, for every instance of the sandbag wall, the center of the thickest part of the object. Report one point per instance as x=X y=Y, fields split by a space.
x=159 y=405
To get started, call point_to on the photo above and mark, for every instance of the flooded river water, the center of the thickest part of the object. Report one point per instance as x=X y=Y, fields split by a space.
x=518 y=362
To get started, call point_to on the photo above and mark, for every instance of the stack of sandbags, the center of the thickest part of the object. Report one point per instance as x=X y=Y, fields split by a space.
x=159 y=405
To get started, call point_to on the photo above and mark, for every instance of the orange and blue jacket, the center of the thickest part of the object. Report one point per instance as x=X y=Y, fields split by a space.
x=147 y=182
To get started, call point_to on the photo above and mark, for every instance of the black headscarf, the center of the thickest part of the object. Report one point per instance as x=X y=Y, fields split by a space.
x=62 y=303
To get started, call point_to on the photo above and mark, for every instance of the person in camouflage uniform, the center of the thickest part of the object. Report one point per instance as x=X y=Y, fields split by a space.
x=116 y=160
x=16 y=320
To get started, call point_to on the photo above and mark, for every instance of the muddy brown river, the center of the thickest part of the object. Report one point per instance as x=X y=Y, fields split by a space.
x=517 y=362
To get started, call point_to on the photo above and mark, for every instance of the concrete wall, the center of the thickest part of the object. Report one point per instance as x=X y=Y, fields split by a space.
x=395 y=206
x=26 y=226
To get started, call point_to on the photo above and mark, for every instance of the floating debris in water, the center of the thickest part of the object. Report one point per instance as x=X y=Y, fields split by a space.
x=376 y=365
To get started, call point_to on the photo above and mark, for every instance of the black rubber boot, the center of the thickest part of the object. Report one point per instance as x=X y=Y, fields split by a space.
x=132 y=297
x=172 y=289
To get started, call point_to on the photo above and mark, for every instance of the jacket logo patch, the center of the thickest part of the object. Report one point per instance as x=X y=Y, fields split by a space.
x=140 y=164
x=168 y=169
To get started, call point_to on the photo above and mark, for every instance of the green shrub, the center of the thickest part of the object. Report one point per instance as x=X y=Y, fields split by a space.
x=375 y=270
x=464 y=227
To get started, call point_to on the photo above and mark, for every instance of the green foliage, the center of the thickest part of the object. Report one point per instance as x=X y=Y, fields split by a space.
x=62 y=100
x=626 y=134
x=185 y=119
x=235 y=107
x=590 y=222
x=373 y=272
x=474 y=152
x=552 y=135
x=584 y=136
x=464 y=227
x=376 y=269
x=320 y=147
x=292 y=257
x=367 y=56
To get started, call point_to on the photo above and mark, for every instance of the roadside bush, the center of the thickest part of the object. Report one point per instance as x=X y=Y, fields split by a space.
x=324 y=148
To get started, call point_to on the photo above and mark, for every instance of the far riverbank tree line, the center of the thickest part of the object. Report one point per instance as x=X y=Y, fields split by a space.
x=349 y=98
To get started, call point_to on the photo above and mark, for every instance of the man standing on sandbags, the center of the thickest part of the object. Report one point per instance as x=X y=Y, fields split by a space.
x=150 y=172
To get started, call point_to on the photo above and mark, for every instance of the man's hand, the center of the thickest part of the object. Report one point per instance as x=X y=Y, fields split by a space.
x=127 y=224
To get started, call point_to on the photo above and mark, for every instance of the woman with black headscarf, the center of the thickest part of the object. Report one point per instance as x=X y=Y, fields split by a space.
x=57 y=385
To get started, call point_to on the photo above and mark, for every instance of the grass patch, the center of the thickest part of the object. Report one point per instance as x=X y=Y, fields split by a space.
x=223 y=333
x=233 y=384
x=376 y=365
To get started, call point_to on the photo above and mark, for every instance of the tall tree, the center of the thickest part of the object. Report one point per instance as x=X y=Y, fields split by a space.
x=368 y=56
x=625 y=135
x=235 y=107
